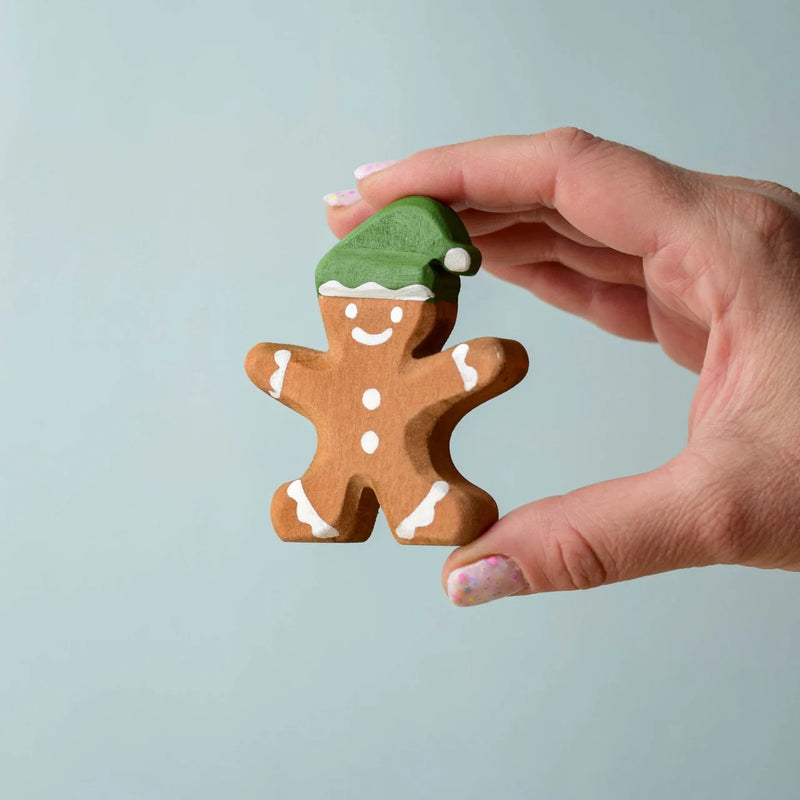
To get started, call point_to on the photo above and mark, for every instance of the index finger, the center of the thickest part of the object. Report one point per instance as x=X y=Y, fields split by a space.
x=618 y=195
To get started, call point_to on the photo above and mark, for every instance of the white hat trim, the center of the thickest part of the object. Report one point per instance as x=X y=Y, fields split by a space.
x=414 y=291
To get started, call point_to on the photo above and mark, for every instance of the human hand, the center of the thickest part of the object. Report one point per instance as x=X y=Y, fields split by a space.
x=707 y=266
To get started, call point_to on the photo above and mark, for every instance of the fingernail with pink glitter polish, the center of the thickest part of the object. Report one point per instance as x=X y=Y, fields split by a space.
x=344 y=198
x=371 y=168
x=486 y=580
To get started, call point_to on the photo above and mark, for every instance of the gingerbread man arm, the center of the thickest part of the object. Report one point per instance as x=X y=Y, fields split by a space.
x=471 y=372
x=290 y=374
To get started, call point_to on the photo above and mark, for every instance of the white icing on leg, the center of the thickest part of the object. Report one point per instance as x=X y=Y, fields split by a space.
x=468 y=374
x=307 y=514
x=423 y=514
x=276 y=379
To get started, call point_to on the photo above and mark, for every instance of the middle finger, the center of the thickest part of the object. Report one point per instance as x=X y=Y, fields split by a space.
x=536 y=243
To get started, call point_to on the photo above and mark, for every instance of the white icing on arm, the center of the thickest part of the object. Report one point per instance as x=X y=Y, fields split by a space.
x=307 y=514
x=468 y=374
x=423 y=514
x=276 y=379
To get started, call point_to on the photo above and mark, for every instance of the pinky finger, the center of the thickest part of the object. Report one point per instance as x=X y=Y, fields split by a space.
x=617 y=308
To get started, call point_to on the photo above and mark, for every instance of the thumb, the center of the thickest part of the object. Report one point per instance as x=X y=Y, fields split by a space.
x=670 y=518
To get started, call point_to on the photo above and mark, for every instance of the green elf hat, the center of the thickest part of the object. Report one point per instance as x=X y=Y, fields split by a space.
x=414 y=249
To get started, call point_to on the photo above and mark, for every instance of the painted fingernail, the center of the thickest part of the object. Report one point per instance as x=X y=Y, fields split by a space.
x=372 y=167
x=486 y=580
x=344 y=198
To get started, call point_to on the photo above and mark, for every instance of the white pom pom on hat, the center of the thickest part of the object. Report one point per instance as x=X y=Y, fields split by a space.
x=457 y=259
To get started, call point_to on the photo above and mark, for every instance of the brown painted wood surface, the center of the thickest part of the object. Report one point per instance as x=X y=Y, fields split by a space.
x=423 y=394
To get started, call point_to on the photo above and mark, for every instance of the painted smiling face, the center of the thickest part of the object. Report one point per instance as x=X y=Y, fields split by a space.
x=386 y=328
x=373 y=339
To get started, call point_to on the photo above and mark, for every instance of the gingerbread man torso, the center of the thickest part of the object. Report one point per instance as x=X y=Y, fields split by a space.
x=384 y=401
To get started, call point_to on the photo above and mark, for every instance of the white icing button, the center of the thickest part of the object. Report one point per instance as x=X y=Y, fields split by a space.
x=457 y=259
x=369 y=442
x=397 y=314
x=371 y=399
x=351 y=311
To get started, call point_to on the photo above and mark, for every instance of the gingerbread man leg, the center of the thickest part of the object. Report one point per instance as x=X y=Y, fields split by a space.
x=445 y=510
x=326 y=504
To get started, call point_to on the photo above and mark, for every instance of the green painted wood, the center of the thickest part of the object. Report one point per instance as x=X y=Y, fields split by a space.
x=405 y=244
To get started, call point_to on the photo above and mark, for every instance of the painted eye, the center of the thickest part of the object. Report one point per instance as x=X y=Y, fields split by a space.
x=351 y=311
x=397 y=314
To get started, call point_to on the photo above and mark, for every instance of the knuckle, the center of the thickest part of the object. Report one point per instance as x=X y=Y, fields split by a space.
x=572 y=561
x=779 y=192
x=748 y=511
x=764 y=222
x=548 y=246
x=742 y=238
x=434 y=158
x=570 y=138
x=721 y=522
x=724 y=510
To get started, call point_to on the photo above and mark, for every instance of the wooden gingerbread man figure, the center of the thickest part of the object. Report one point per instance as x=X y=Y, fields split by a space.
x=383 y=399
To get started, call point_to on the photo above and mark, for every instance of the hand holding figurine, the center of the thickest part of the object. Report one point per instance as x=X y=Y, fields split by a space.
x=705 y=265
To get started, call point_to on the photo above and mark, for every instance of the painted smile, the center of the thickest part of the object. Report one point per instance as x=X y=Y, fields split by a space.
x=362 y=337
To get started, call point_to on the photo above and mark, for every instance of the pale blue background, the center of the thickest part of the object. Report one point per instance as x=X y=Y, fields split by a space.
x=162 y=168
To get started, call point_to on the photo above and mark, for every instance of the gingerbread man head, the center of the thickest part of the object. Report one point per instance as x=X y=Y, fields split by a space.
x=391 y=286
